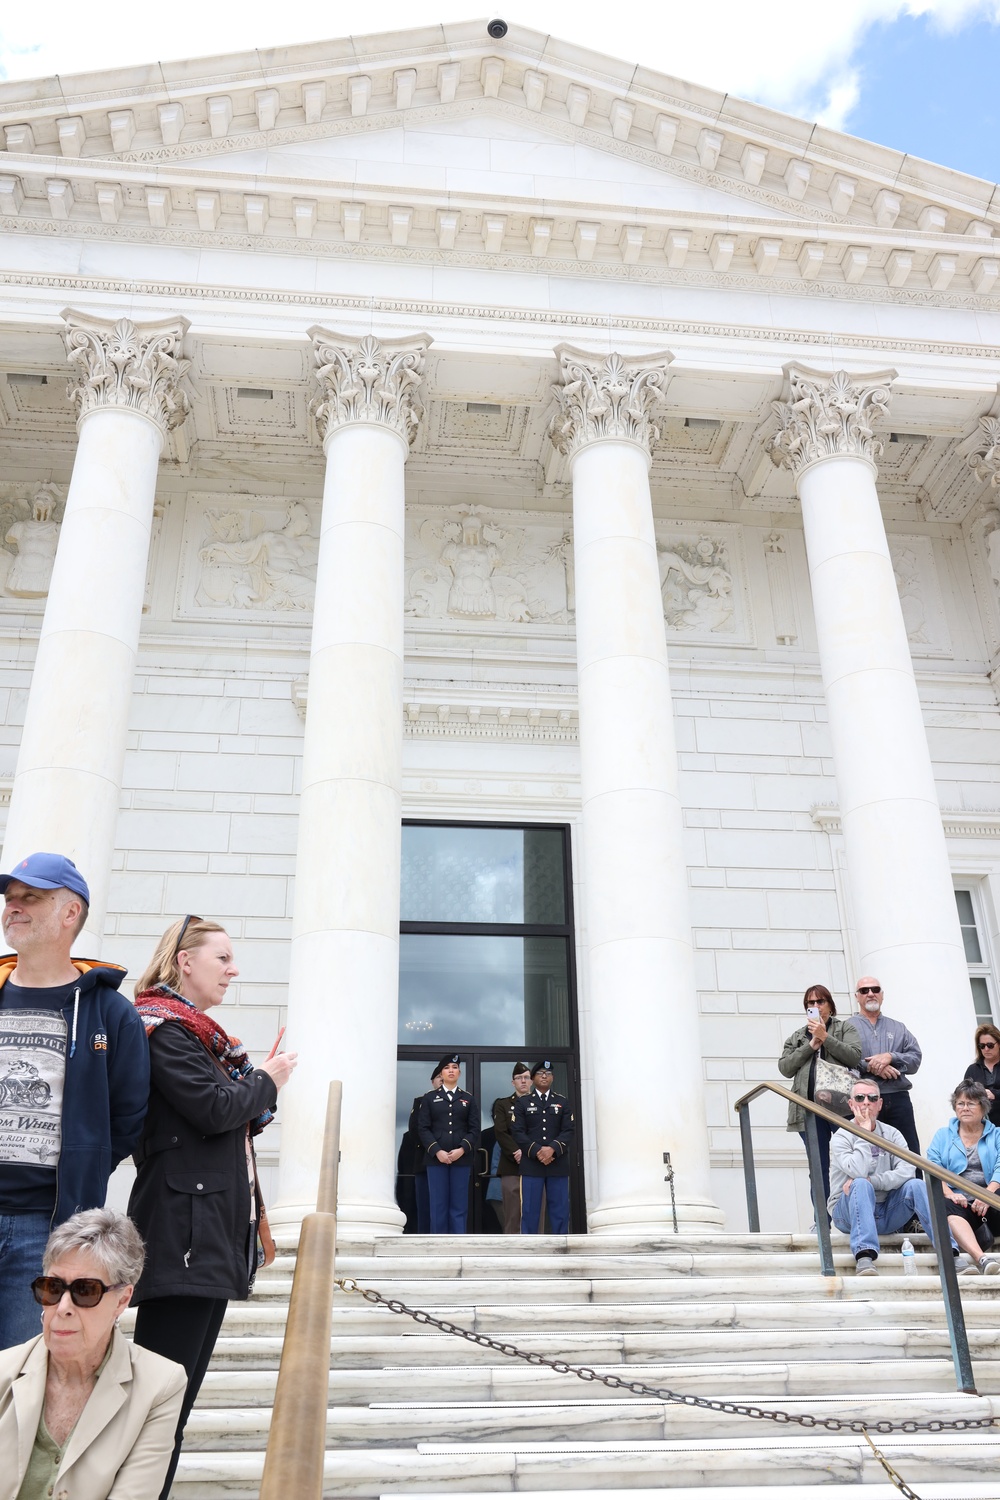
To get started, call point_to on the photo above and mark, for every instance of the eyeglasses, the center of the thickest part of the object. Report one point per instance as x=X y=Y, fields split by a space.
x=865 y=1098
x=86 y=1291
x=184 y=927
x=984 y=1045
x=869 y=989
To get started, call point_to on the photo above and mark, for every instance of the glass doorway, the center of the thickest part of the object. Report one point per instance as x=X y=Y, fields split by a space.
x=486 y=970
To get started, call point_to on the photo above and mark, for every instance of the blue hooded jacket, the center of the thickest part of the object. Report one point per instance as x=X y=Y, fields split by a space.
x=106 y=1089
x=946 y=1150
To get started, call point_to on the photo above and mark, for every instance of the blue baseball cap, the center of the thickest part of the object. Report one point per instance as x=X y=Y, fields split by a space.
x=48 y=872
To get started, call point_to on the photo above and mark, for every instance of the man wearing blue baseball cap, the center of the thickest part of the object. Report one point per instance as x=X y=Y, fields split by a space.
x=74 y=1075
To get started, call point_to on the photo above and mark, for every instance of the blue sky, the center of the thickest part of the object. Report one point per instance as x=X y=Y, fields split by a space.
x=919 y=75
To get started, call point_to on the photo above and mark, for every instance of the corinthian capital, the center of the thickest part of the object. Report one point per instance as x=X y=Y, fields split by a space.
x=605 y=398
x=366 y=380
x=136 y=366
x=828 y=416
x=985 y=456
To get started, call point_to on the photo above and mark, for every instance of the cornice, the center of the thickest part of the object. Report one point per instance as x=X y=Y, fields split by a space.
x=957 y=823
x=542 y=318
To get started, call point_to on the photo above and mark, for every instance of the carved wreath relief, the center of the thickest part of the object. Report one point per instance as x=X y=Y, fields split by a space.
x=29 y=532
x=465 y=565
x=697 y=586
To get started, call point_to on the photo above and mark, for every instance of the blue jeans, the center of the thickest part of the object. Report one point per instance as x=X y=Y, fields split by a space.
x=448 y=1190
x=556 y=1190
x=857 y=1213
x=22 y=1244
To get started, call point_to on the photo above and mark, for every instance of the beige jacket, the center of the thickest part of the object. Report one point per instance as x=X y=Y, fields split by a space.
x=120 y=1447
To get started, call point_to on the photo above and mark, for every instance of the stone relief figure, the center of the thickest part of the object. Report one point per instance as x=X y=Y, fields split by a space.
x=909 y=583
x=33 y=533
x=697 y=586
x=246 y=565
x=467 y=567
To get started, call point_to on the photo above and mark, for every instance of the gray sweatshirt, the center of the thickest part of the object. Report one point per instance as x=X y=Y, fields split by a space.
x=851 y=1158
x=892 y=1036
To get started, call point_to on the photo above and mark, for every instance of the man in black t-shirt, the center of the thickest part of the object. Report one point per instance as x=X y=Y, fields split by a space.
x=74 y=1075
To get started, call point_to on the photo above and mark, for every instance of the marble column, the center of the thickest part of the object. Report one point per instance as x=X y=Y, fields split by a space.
x=640 y=986
x=344 y=978
x=901 y=889
x=125 y=384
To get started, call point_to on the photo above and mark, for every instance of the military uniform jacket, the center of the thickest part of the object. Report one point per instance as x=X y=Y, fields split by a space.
x=539 y=1122
x=503 y=1120
x=445 y=1124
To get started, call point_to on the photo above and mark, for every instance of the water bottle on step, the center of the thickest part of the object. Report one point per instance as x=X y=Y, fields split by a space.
x=909 y=1259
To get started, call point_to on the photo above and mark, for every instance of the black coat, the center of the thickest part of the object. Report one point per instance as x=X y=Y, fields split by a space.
x=976 y=1073
x=191 y=1199
x=539 y=1122
x=445 y=1125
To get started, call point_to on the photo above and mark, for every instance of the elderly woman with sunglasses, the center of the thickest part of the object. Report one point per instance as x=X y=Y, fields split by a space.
x=83 y=1413
x=986 y=1068
x=196 y=1198
x=969 y=1146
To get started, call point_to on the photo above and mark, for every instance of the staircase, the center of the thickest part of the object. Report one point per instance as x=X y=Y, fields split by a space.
x=741 y=1317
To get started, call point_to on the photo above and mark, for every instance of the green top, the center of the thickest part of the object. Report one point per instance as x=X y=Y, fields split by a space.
x=46 y=1456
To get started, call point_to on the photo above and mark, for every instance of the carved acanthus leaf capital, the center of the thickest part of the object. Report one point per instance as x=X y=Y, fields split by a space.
x=368 y=380
x=985 y=456
x=603 y=398
x=125 y=364
x=828 y=416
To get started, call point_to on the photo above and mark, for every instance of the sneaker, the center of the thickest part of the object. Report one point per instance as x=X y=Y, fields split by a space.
x=963 y=1262
x=866 y=1266
x=989 y=1265
x=971 y=1269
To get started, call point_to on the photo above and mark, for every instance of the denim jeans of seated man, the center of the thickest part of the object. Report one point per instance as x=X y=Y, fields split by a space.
x=22 y=1244
x=857 y=1213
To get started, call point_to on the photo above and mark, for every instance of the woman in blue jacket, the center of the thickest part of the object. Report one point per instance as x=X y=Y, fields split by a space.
x=969 y=1146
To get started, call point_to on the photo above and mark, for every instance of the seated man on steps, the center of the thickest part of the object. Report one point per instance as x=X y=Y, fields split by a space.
x=872 y=1192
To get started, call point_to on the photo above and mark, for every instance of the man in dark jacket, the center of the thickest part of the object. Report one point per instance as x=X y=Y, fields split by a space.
x=510 y=1152
x=74 y=1075
x=543 y=1128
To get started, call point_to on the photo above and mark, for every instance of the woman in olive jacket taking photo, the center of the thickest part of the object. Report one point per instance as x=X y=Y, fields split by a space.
x=195 y=1199
x=822 y=1036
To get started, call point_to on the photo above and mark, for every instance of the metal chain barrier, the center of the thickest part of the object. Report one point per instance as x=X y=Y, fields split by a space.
x=678 y=1398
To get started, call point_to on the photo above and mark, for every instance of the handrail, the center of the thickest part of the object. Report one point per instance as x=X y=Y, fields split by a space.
x=296 y=1444
x=937 y=1203
x=928 y=1167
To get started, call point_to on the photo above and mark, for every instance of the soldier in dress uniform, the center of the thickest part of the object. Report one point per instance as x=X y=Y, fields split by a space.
x=510 y=1151
x=543 y=1128
x=448 y=1127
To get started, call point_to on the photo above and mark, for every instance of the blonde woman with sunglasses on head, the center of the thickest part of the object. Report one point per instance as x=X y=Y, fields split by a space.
x=196 y=1198
x=83 y=1413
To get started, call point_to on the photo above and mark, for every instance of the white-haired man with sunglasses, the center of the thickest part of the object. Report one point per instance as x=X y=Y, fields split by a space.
x=872 y=1192
x=890 y=1054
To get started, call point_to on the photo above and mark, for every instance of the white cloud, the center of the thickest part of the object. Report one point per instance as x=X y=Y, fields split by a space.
x=798 y=59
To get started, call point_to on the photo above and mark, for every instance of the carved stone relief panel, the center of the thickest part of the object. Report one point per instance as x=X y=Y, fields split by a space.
x=30 y=518
x=779 y=580
x=920 y=595
x=984 y=550
x=471 y=563
x=248 y=556
x=703 y=580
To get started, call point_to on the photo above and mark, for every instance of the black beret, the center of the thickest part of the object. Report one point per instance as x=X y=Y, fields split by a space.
x=520 y=1067
x=445 y=1062
x=541 y=1067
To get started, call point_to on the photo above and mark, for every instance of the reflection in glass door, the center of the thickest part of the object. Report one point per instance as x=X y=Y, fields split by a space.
x=486 y=970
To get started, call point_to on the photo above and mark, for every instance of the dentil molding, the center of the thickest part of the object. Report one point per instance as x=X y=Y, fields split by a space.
x=957 y=823
x=368 y=380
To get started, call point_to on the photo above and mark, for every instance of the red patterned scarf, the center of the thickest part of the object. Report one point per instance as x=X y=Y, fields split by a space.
x=164 y=1004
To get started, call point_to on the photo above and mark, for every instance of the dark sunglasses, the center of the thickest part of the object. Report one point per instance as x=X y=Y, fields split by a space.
x=869 y=989
x=184 y=927
x=86 y=1291
x=865 y=1098
x=988 y=1043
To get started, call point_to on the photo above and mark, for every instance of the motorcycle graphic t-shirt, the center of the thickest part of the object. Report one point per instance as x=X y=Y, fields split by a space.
x=32 y=1071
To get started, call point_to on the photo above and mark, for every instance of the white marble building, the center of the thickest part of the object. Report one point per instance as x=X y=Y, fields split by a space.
x=483 y=432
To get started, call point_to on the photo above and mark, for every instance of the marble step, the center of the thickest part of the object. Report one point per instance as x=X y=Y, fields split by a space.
x=960 y=1490
x=248 y=1383
x=387 y=1424
x=352 y=1318
x=458 y=1468
x=518 y=1246
x=600 y=1267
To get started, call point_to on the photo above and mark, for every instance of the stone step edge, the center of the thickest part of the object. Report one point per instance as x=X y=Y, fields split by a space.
x=934 y=1491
